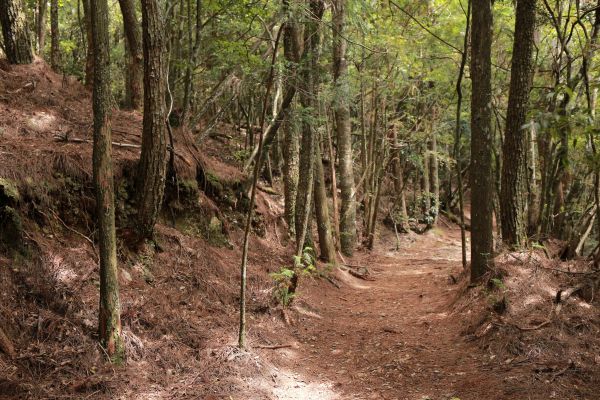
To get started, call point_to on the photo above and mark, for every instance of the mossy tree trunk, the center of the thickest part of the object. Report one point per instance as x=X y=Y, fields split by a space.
x=17 y=43
x=109 y=319
x=153 y=161
x=513 y=195
x=481 y=140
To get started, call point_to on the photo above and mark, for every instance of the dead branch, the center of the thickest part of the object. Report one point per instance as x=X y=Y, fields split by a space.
x=64 y=138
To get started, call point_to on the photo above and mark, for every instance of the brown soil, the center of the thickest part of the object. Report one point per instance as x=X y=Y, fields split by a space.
x=412 y=333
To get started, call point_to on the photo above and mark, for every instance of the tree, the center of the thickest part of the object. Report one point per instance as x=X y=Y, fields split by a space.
x=40 y=25
x=513 y=195
x=133 y=87
x=481 y=139
x=292 y=47
x=89 y=57
x=322 y=209
x=153 y=160
x=54 y=36
x=109 y=315
x=17 y=43
x=344 y=130
x=308 y=83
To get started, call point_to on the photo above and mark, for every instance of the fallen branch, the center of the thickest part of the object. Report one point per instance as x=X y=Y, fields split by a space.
x=268 y=190
x=65 y=138
x=274 y=347
x=333 y=282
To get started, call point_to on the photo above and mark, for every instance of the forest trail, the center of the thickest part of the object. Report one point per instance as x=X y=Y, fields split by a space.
x=395 y=337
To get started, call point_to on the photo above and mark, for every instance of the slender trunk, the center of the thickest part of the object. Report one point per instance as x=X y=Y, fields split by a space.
x=533 y=208
x=434 y=178
x=308 y=85
x=135 y=67
x=344 y=130
x=192 y=61
x=334 y=196
x=54 y=37
x=41 y=26
x=17 y=43
x=322 y=209
x=153 y=160
x=513 y=196
x=89 y=58
x=257 y=167
x=481 y=140
x=109 y=320
x=400 y=203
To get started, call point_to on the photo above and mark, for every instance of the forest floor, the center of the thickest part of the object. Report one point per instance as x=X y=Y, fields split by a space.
x=415 y=329
x=404 y=335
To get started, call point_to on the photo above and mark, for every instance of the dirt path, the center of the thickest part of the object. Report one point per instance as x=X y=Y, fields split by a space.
x=394 y=338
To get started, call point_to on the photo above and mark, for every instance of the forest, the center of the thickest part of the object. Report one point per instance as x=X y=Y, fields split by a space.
x=299 y=199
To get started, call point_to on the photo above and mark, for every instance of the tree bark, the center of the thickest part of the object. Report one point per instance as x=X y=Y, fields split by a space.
x=153 y=160
x=89 y=59
x=109 y=323
x=513 y=193
x=54 y=37
x=434 y=178
x=481 y=140
x=322 y=209
x=41 y=26
x=344 y=130
x=131 y=25
x=192 y=60
x=307 y=85
x=17 y=43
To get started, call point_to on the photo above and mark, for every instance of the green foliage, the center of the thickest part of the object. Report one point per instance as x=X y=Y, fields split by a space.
x=304 y=265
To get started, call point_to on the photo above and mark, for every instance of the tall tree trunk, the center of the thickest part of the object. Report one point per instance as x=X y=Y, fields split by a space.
x=192 y=60
x=322 y=209
x=109 y=323
x=434 y=178
x=89 y=58
x=17 y=43
x=513 y=194
x=131 y=25
x=307 y=84
x=533 y=208
x=341 y=111
x=292 y=47
x=41 y=26
x=398 y=178
x=54 y=36
x=481 y=140
x=153 y=159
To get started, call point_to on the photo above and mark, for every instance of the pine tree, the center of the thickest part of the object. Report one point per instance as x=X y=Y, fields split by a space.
x=109 y=315
x=153 y=161
x=481 y=139
x=513 y=195
x=133 y=87
x=17 y=43
x=344 y=130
